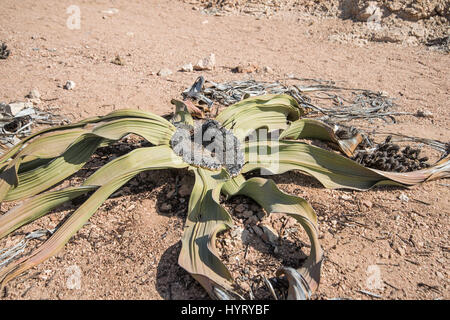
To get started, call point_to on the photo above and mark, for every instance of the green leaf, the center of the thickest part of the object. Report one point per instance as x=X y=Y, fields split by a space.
x=34 y=208
x=65 y=147
x=206 y=217
x=314 y=129
x=331 y=169
x=126 y=168
x=39 y=205
x=41 y=178
x=269 y=111
x=124 y=113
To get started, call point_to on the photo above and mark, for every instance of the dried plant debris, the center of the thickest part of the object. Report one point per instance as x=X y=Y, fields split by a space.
x=440 y=44
x=345 y=104
x=195 y=92
x=4 y=51
x=388 y=156
x=9 y=254
x=18 y=118
x=434 y=144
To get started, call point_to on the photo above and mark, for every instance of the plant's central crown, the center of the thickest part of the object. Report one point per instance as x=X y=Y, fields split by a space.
x=208 y=145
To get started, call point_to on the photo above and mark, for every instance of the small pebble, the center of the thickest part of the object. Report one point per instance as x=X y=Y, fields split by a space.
x=70 y=85
x=207 y=63
x=33 y=94
x=424 y=114
x=403 y=197
x=187 y=67
x=166 y=207
x=164 y=72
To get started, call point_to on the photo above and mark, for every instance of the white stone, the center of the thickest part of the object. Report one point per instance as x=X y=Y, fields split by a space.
x=207 y=63
x=70 y=85
x=188 y=67
x=403 y=197
x=268 y=69
x=164 y=72
x=111 y=11
x=33 y=94
x=372 y=11
x=346 y=197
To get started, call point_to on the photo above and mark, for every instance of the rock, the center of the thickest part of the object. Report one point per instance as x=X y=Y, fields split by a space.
x=245 y=286
x=367 y=203
x=403 y=197
x=424 y=114
x=240 y=208
x=33 y=94
x=259 y=232
x=126 y=234
x=267 y=69
x=16 y=107
x=400 y=251
x=187 y=67
x=411 y=41
x=249 y=68
x=418 y=31
x=371 y=12
x=170 y=193
x=70 y=85
x=237 y=232
x=346 y=197
x=270 y=235
x=207 y=63
x=166 y=207
x=252 y=220
x=247 y=214
x=4 y=51
x=245 y=236
x=45 y=274
x=118 y=61
x=184 y=190
x=393 y=35
x=111 y=11
x=164 y=72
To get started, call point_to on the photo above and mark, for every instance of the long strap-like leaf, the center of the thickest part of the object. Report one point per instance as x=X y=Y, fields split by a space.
x=41 y=204
x=118 y=114
x=62 y=145
x=314 y=129
x=331 y=169
x=160 y=157
x=269 y=111
x=206 y=217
